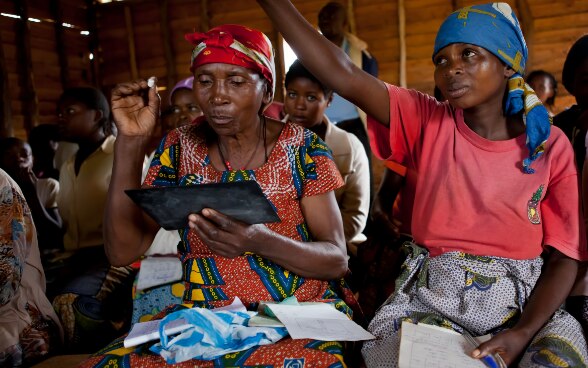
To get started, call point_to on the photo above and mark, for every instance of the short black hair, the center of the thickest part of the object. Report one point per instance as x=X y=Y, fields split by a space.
x=542 y=73
x=93 y=99
x=333 y=7
x=577 y=54
x=6 y=145
x=297 y=70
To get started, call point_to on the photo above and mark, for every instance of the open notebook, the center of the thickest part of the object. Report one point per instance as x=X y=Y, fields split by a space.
x=423 y=345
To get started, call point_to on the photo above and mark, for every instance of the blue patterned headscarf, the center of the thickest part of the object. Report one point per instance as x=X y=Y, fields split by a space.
x=496 y=28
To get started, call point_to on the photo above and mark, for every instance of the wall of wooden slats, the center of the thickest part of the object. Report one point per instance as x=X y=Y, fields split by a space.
x=140 y=38
x=45 y=69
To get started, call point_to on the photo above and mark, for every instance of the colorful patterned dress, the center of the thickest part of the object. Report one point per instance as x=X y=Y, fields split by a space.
x=29 y=328
x=299 y=165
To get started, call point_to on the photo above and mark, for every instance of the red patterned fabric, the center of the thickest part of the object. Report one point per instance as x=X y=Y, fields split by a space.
x=299 y=165
x=253 y=51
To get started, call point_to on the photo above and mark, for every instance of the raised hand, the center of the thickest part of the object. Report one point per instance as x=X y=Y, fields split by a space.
x=135 y=108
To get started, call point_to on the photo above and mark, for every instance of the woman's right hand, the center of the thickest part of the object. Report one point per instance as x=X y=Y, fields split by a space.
x=135 y=108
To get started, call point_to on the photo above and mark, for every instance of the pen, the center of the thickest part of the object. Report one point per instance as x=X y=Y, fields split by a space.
x=491 y=361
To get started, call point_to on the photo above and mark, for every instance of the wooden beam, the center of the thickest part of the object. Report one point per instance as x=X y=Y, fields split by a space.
x=170 y=60
x=402 y=44
x=131 y=43
x=56 y=13
x=23 y=42
x=454 y=5
x=6 y=128
x=204 y=16
x=527 y=25
x=351 y=16
x=279 y=60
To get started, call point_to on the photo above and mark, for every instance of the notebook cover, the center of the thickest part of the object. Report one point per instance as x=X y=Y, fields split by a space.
x=170 y=206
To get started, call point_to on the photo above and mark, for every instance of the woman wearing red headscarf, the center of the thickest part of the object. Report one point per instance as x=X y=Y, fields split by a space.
x=222 y=257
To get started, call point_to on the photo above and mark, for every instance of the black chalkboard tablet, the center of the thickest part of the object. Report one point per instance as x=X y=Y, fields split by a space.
x=170 y=206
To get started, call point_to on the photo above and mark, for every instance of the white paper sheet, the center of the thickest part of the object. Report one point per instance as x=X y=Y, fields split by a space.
x=157 y=271
x=424 y=345
x=143 y=332
x=318 y=321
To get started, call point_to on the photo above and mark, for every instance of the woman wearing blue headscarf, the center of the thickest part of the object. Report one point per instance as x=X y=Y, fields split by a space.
x=496 y=224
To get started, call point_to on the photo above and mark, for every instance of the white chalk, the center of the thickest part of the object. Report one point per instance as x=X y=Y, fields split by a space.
x=151 y=82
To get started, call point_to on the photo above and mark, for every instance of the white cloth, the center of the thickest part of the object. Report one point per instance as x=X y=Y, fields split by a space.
x=47 y=190
x=353 y=197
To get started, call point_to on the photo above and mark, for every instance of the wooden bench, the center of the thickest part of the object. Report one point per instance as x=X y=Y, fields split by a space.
x=62 y=361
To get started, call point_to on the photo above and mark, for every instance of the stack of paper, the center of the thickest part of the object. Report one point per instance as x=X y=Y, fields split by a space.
x=319 y=321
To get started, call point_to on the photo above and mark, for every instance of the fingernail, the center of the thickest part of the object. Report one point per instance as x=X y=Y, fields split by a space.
x=476 y=353
x=206 y=212
x=151 y=82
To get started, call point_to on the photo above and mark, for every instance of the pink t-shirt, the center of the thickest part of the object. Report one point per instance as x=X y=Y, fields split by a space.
x=471 y=194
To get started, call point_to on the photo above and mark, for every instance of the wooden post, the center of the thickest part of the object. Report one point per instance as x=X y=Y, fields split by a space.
x=351 y=17
x=526 y=22
x=94 y=44
x=170 y=60
x=131 y=42
x=402 y=44
x=59 y=42
x=279 y=60
x=6 y=128
x=204 y=16
x=454 y=5
x=23 y=41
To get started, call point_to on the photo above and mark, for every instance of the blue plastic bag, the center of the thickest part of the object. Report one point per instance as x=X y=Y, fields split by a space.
x=212 y=335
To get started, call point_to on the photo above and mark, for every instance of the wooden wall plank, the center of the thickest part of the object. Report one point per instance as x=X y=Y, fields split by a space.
x=160 y=47
x=6 y=127
x=29 y=94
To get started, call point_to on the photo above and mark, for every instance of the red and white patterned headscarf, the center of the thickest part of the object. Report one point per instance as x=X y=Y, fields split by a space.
x=236 y=45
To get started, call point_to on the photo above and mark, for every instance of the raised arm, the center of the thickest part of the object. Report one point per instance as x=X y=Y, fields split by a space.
x=128 y=232
x=327 y=62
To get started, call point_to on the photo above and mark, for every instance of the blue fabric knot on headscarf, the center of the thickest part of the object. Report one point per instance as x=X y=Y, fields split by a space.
x=496 y=28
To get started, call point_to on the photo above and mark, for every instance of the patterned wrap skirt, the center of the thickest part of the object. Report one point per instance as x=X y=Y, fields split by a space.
x=484 y=295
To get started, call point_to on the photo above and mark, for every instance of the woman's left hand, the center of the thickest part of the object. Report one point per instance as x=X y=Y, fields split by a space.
x=508 y=344
x=224 y=235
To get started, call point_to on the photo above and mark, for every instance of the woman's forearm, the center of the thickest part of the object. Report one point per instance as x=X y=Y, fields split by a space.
x=319 y=260
x=127 y=231
x=328 y=62
x=325 y=60
x=549 y=293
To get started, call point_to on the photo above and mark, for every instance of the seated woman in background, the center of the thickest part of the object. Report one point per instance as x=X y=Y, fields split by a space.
x=545 y=86
x=183 y=103
x=305 y=103
x=29 y=328
x=41 y=193
x=224 y=258
x=92 y=298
